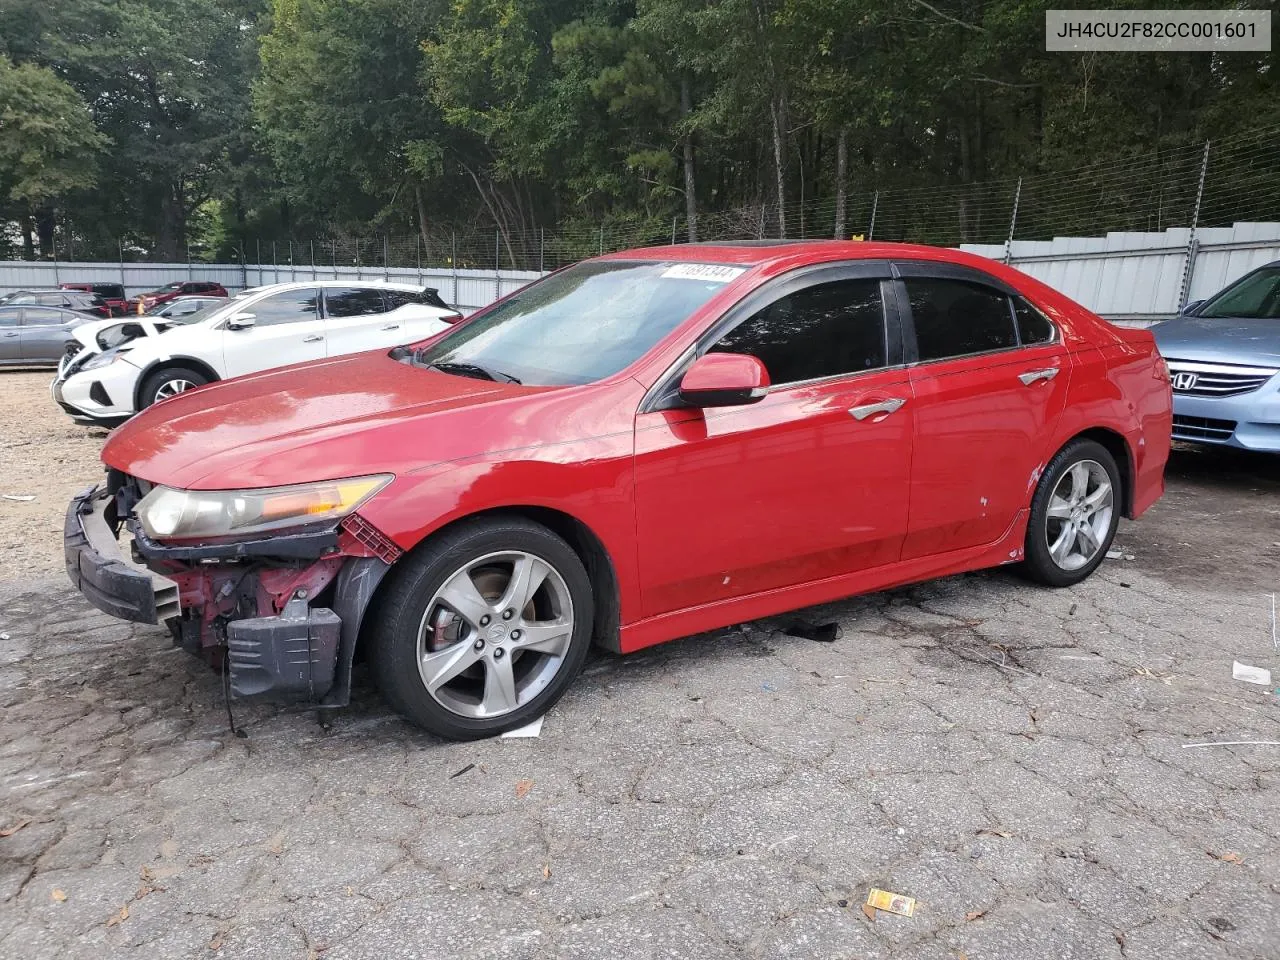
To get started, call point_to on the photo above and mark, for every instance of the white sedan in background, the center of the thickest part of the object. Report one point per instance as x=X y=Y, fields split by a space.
x=261 y=328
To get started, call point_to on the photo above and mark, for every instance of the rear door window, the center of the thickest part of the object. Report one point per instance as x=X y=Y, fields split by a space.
x=42 y=317
x=958 y=318
x=353 y=302
x=1033 y=326
x=292 y=306
x=821 y=331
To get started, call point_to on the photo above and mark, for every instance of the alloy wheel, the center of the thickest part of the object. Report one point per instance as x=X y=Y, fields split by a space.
x=1079 y=513
x=495 y=634
x=171 y=388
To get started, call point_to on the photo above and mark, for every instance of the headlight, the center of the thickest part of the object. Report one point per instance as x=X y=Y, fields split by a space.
x=102 y=360
x=166 y=513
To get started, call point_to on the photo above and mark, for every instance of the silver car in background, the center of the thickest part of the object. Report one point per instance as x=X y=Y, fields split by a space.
x=35 y=335
x=1224 y=364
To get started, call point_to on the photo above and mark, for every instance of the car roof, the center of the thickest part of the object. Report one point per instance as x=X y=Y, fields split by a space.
x=758 y=252
x=309 y=284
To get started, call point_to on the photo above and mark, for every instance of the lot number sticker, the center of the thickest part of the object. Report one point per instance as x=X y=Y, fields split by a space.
x=707 y=272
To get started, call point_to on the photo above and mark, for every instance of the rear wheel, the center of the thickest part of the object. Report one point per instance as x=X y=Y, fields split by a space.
x=1074 y=515
x=483 y=629
x=169 y=382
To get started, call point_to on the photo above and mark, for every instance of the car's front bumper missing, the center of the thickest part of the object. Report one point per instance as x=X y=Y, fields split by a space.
x=284 y=621
x=99 y=569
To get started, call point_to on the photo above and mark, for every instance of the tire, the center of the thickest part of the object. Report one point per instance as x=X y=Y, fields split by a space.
x=1059 y=503
x=165 y=380
x=469 y=647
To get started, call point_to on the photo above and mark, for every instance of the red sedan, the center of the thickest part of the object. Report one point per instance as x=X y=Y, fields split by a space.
x=637 y=448
x=144 y=303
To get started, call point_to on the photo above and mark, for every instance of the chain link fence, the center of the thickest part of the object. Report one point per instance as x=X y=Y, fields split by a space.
x=1195 y=184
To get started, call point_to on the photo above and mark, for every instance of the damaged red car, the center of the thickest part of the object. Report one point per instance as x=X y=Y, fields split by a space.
x=637 y=448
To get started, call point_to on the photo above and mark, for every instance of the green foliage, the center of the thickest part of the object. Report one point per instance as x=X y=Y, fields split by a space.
x=234 y=120
x=48 y=145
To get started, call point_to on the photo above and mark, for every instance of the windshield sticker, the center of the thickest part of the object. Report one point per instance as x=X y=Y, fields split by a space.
x=708 y=272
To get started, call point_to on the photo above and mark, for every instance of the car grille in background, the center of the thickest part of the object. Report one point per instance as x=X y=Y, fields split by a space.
x=1202 y=428
x=1192 y=378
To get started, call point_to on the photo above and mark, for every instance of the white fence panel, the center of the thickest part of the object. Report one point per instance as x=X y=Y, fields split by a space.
x=1138 y=276
x=1121 y=276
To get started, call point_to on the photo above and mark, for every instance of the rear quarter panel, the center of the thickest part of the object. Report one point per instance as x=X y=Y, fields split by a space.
x=1118 y=383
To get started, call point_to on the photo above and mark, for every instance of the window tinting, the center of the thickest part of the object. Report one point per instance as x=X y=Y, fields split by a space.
x=954 y=318
x=427 y=298
x=822 y=331
x=1033 y=326
x=290 y=307
x=352 y=302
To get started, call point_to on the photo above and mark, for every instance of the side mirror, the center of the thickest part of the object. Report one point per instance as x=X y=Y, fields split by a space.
x=241 y=321
x=724 y=380
x=1190 y=309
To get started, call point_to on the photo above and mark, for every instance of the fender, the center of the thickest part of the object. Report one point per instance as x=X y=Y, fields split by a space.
x=170 y=360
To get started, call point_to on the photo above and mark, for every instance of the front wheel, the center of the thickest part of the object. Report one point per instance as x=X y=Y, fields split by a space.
x=170 y=382
x=1074 y=515
x=482 y=629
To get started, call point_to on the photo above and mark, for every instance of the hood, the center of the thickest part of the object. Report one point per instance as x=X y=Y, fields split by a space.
x=1220 y=340
x=349 y=416
x=87 y=333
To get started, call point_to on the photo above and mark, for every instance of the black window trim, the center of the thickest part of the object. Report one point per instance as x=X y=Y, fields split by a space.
x=928 y=269
x=665 y=392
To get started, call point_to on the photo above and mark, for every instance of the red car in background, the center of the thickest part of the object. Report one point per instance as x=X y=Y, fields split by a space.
x=639 y=447
x=179 y=288
x=113 y=293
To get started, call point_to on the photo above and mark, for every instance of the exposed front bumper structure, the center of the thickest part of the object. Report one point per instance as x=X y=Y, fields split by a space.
x=108 y=579
x=282 y=614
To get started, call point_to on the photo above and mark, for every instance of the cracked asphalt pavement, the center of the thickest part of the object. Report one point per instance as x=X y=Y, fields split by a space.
x=1017 y=759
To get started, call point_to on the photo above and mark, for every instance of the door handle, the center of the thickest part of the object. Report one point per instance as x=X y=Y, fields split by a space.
x=392 y=326
x=1031 y=376
x=10 y=334
x=316 y=338
x=870 y=409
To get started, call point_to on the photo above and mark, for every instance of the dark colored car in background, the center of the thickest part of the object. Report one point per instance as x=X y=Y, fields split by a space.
x=89 y=304
x=113 y=293
x=32 y=334
x=179 y=288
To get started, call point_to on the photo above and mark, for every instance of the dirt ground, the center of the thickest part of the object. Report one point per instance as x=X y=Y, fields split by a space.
x=42 y=454
x=1048 y=772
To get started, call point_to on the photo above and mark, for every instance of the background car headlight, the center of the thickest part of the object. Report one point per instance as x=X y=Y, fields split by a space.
x=166 y=513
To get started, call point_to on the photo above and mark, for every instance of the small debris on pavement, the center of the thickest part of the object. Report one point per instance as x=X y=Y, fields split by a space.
x=546 y=871
x=4 y=636
x=1114 y=554
x=10 y=831
x=528 y=730
x=1229 y=857
x=1242 y=671
x=457 y=773
x=523 y=787
x=975 y=914
x=1233 y=743
x=17 y=498
x=57 y=895
x=819 y=632
x=890 y=902
x=769 y=687
x=120 y=917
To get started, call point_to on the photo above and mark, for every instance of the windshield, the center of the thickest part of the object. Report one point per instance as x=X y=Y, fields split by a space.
x=196 y=316
x=1254 y=297
x=579 y=325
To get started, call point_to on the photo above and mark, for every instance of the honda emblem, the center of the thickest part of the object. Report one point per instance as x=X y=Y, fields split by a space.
x=1183 y=381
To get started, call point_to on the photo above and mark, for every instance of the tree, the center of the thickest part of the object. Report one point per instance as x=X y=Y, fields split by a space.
x=48 y=146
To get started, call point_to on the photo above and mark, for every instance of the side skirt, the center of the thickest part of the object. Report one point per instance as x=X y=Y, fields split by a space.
x=681 y=623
